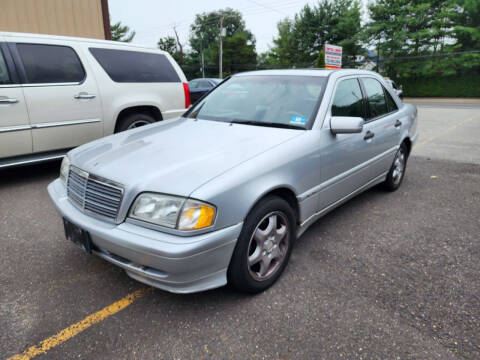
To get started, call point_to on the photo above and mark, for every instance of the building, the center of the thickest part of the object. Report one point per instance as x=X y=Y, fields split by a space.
x=81 y=18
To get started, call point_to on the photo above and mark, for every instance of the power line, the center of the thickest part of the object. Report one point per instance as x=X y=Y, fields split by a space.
x=268 y=7
x=248 y=11
x=425 y=56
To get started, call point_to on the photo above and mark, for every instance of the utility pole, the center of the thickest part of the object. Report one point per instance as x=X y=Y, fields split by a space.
x=201 y=52
x=220 y=60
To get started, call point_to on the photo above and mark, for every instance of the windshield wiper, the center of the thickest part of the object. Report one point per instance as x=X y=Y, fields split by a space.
x=268 y=124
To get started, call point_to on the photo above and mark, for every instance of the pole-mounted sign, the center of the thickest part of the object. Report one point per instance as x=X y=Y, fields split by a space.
x=333 y=56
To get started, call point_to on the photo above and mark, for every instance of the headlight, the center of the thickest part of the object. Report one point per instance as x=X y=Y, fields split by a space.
x=172 y=211
x=64 y=169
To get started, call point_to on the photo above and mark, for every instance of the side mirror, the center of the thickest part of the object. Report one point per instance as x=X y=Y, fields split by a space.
x=346 y=125
x=400 y=87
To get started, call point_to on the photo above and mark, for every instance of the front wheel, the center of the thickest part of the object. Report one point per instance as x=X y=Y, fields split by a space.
x=264 y=246
x=397 y=171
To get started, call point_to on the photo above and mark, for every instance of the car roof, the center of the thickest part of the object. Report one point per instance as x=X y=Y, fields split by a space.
x=77 y=39
x=215 y=79
x=307 y=72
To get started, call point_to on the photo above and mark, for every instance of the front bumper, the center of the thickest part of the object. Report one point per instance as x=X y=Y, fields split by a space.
x=174 y=263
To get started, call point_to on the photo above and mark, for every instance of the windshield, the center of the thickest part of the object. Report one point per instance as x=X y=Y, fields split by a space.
x=287 y=101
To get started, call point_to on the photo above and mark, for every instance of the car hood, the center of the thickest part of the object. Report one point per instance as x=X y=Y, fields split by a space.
x=176 y=156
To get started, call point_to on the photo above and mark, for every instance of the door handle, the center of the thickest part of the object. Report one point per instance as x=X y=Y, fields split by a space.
x=398 y=123
x=82 y=96
x=369 y=135
x=8 y=101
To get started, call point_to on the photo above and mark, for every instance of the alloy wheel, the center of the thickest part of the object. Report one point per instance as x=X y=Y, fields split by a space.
x=268 y=246
x=398 y=166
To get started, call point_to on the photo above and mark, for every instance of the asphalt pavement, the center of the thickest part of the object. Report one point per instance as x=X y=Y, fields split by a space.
x=385 y=276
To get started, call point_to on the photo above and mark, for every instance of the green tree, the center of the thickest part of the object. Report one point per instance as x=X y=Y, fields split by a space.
x=168 y=44
x=238 y=43
x=321 y=59
x=121 y=33
x=283 y=51
x=238 y=54
x=413 y=38
x=467 y=24
x=300 y=40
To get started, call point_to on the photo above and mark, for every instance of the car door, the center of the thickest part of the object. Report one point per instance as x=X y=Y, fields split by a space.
x=201 y=87
x=61 y=95
x=343 y=156
x=195 y=93
x=381 y=128
x=15 y=132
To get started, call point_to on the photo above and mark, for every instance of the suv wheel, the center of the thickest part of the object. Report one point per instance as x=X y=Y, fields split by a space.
x=264 y=246
x=133 y=121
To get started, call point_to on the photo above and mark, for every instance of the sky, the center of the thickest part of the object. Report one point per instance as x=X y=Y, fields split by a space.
x=152 y=19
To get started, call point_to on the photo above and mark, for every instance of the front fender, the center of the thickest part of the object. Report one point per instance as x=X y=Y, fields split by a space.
x=287 y=166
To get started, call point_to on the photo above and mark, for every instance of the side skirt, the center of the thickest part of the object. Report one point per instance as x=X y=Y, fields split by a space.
x=32 y=158
x=312 y=219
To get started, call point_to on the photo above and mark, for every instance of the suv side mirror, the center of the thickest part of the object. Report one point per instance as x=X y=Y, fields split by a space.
x=346 y=125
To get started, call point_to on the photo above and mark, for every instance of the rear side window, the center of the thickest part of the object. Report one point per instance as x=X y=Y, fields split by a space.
x=193 y=84
x=51 y=64
x=4 y=77
x=135 y=66
x=348 y=100
x=390 y=103
x=204 y=84
x=375 y=97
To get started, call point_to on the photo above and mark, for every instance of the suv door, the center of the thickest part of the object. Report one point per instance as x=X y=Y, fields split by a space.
x=15 y=132
x=62 y=96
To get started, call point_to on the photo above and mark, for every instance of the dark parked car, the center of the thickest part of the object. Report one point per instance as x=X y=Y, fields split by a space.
x=199 y=87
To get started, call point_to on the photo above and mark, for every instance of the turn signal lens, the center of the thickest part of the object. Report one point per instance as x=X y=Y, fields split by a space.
x=196 y=215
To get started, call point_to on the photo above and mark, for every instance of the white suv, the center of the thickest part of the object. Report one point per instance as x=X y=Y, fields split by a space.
x=57 y=93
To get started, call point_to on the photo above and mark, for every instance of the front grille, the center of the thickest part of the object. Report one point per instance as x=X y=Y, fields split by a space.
x=94 y=195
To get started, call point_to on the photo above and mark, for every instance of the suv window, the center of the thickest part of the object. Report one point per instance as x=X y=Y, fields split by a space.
x=375 y=97
x=4 y=77
x=135 y=66
x=51 y=64
x=390 y=103
x=348 y=100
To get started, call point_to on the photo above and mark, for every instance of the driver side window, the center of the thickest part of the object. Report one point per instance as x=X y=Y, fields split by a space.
x=4 y=77
x=348 y=100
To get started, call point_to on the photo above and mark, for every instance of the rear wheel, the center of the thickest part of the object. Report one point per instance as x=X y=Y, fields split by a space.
x=264 y=246
x=397 y=171
x=133 y=121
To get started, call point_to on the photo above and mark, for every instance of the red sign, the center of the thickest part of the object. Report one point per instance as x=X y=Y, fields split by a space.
x=333 y=56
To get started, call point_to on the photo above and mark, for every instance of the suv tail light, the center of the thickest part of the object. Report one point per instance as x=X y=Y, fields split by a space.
x=186 y=90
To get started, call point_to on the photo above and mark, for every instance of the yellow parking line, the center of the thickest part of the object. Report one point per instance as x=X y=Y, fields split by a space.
x=453 y=127
x=78 y=327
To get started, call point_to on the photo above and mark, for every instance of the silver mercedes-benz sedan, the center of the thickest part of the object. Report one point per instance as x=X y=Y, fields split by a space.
x=222 y=193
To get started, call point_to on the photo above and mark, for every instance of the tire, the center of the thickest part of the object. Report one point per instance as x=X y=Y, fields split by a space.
x=397 y=171
x=267 y=248
x=134 y=120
